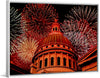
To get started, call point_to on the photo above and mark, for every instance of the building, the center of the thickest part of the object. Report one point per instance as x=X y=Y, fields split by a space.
x=55 y=53
x=15 y=70
x=89 y=61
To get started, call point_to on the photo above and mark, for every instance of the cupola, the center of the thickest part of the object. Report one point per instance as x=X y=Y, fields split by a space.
x=55 y=28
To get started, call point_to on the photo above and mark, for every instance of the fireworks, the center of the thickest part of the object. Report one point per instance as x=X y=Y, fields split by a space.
x=34 y=23
x=14 y=43
x=15 y=28
x=84 y=13
x=22 y=51
x=34 y=35
x=80 y=28
x=25 y=48
x=82 y=37
x=38 y=18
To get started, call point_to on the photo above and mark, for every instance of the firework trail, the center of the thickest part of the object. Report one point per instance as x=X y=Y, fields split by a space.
x=15 y=28
x=38 y=18
x=84 y=13
x=82 y=37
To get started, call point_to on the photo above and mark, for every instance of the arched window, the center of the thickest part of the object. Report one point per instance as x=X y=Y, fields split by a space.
x=46 y=60
x=53 y=29
x=69 y=63
x=64 y=61
x=58 y=60
x=74 y=65
x=58 y=45
x=52 y=61
x=46 y=46
x=40 y=63
x=56 y=28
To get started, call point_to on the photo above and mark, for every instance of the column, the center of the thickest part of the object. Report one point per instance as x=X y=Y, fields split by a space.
x=61 y=61
x=31 y=68
x=67 y=61
x=72 y=63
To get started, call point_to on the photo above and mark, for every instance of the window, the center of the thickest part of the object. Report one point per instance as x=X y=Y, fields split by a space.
x=40 y=63
x=46 y=62
x=52 y=45
x=58 y=60
x=56 y=28
x=63 y=46
x=58 y=45
x=46 y=46
x=64 y=61
x=52 y=61
x=53 y=29
x=69 y=63
x=74 y=65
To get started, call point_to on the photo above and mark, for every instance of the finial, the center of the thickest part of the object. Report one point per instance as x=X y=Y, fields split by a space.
x=56 y=20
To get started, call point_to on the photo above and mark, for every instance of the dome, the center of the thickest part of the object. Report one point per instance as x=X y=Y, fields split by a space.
x=55 y=53
x=55 y=37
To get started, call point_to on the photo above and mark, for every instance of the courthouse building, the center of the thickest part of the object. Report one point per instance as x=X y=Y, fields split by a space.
x=55 y=53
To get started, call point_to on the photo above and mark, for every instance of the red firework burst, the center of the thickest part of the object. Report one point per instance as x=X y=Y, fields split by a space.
x=38 y=18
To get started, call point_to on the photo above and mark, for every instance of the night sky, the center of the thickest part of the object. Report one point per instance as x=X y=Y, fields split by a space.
x=61 y=9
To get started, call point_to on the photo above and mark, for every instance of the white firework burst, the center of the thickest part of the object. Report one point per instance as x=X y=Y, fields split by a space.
x=88 y=13
x=26 y=49
x=82 y=37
